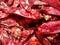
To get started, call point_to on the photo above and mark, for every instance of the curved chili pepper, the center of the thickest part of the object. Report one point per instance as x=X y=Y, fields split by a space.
x=4 y=15
x=16 y=3
x=34 y=14
x=50 y=27
x=53 y=3
x=4 y=7
x=51 y=11
x=16 y=17
x=33 y=41
x=9 y=22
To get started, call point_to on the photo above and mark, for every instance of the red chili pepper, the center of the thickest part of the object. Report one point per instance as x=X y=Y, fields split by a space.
x=16 y=3
x=34 y=14
x=50 y=27
x=4 y=7
x=33 y=41
x=29 y=22
x=9 y=22
x=51 y=11
x=4 y=15
x=53 y=3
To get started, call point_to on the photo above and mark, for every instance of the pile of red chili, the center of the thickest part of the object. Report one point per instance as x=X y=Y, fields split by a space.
x=29 y=22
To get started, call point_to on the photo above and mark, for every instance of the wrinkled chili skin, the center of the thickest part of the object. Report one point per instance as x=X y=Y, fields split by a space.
x=50 y=27
x=29 y=22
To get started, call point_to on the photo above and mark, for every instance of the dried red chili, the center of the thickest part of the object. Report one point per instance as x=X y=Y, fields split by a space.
x=51 y=11
x=50 y=27
x=29 y=22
